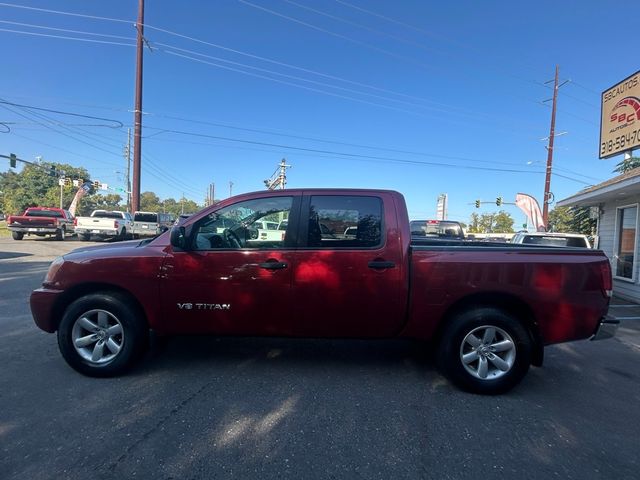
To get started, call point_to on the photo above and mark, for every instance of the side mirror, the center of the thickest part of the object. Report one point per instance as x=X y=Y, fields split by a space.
x=252 y=234
x=178 y=238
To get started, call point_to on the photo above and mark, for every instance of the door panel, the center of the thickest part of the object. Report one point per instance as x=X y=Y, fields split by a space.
x=350 y=279
x=228 y=292
x=230 y=280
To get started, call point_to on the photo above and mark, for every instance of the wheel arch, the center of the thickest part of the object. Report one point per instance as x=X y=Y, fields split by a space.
x=78 y=291
x=509 y=304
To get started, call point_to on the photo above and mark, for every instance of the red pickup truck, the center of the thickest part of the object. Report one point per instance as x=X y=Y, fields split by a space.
x=487 y=309
x=41 y=221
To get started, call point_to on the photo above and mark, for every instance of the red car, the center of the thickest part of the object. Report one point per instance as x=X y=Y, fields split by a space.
x=489 y=310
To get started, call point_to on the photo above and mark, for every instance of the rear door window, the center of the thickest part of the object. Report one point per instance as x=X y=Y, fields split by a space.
x=344 y=221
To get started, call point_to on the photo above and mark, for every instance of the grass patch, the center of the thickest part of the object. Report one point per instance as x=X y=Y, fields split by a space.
x=3 y=230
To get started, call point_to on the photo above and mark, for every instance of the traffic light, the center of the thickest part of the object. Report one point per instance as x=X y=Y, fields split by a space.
x=52 y=171
x=477 y=203
x=96 y=184
x=499 y=201
x=67 y=182
x=12 y=160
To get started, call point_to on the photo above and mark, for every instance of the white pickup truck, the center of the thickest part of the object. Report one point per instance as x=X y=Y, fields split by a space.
x=103 y=224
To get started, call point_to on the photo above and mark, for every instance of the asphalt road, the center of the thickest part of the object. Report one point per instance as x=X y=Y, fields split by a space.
x=202 y=408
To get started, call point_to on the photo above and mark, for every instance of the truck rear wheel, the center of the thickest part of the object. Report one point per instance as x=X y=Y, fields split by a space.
x=100 y=335
x=17 y=235
x=485 y=350
x=85 y=237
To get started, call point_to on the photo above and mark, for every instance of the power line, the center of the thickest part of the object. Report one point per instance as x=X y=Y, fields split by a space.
x=360 y=25
x=294 y=77
x=63 y=37
x=59 y=12
x=253 y=130
x=71 y=114
x=332 y=94
x=339 y=35
x=350 y=155
x=43 y=27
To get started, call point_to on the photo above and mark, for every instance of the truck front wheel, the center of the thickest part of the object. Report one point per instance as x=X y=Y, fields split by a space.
x=101 y=335
x=17 y=235
x=60 y=234
x=485 y=350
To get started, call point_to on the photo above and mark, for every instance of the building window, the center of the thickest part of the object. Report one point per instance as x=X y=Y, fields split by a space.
x=626 y=241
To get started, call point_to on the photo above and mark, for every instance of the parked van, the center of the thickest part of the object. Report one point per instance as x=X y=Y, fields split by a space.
x=150 y=224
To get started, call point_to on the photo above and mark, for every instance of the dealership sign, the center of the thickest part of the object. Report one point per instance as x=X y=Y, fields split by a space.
x=620 y=120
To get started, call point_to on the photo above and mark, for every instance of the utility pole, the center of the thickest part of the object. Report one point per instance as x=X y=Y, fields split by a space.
x=127 y=153
x=231 y=189
x=137 y=134
x=547 y=182
x=279 y=177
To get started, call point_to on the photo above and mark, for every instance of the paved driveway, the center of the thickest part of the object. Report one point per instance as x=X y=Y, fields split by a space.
x=207 y=407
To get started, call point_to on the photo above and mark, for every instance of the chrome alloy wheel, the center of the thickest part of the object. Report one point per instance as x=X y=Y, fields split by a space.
x=488 y=352
x=97 y=336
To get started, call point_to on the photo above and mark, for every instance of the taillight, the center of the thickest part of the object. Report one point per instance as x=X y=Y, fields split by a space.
x=607 y=281
x=75 y=222
x=115 y=224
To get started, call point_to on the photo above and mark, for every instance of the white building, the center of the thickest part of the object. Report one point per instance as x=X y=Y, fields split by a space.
x=618 y=202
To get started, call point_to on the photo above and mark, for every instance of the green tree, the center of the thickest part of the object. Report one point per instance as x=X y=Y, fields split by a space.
x=627 y=164
x=560 y=219
x=500 y=222
x=474 y=223
x=571 y=220
x=150 y=202
x=98 y=201
x=33 y=186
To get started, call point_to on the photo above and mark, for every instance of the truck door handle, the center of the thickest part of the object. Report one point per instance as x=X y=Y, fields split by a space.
x=273 y=265
x=381 y=264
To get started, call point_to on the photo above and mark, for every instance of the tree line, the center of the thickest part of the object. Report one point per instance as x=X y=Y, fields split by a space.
x=34 y=186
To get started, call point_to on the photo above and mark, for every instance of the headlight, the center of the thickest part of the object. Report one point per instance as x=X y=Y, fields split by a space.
x=53 y=270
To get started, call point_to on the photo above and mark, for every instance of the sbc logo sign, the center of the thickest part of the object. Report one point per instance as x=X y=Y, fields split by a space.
x=621 y=114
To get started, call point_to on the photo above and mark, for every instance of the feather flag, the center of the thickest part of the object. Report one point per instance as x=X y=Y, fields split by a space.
x=530 y=207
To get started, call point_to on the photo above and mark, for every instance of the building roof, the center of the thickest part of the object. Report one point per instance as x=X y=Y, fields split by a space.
x=615 y=188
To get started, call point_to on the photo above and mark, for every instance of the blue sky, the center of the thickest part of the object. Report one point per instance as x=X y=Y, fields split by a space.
x=420 y=97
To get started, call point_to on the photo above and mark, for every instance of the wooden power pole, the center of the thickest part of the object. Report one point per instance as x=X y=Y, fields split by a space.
x=137 y=132
x=547 y=182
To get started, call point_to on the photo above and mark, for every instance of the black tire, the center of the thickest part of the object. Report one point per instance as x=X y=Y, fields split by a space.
x=123 y=234
x=132 y=341
x=60 y=234
x=17 y=235
x=501 y=372
x=85 y=237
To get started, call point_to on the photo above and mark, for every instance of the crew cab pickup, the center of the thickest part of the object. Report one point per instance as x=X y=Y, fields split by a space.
x=41 y=221
x=103 y=224
x=488 y=309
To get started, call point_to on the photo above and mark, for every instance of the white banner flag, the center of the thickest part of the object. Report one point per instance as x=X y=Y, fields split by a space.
x=530 y=207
